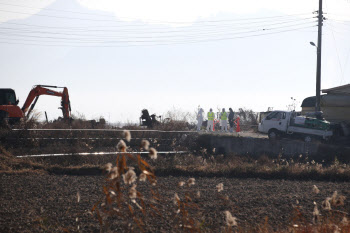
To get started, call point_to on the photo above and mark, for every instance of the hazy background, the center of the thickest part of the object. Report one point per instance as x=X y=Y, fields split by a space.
x=118 y=57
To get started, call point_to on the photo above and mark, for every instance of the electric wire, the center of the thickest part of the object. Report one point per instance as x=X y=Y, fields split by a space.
x=113 y=20
x=144 y=37
x=337 y=14
x=168 y=43
x=336 y=49
x=341 y=23
x=216 y=30
x=337 y=52
x=340 y=20
x=92 y=41
x=186 y=30
x=194 y=25
x=339 y=30
x=346 y=59
x=158 y=39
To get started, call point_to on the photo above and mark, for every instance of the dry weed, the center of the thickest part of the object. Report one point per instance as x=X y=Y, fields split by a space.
x=127 y=135
x=121 y=146
x=145 y=144
x=153 y=153
x=220 y=187
x=230 y=220
x=315 y=190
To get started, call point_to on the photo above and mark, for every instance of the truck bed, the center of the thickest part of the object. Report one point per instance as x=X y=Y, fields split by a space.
x=317 y=132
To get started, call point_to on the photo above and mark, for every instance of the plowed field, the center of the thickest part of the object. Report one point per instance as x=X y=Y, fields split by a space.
x=49 y=202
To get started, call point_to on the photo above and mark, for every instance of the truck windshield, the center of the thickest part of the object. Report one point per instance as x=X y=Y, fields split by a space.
x=272 y=115
x=7 y=97
x=276 y=116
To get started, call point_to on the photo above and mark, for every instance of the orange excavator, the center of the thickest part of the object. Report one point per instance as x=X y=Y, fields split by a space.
x=10 y=111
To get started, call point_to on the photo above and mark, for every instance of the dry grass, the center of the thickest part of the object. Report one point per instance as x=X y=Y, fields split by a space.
x=176 y=120
x=245 y=167
x=124 y=205
x=11 y=164
x=249 y=119
x=187 y=165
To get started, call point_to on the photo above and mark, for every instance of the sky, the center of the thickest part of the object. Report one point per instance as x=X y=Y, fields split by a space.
x=119 y=57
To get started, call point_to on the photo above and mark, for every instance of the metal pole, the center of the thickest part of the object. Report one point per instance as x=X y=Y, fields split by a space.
x=319 y=47
x=47 y=120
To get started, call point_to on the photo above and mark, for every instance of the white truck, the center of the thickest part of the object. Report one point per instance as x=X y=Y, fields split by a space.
x=286 y=123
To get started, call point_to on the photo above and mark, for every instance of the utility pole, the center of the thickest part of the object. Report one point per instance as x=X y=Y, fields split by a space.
x=319 y=47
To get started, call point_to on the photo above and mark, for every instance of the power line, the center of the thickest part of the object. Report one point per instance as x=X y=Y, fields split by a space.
x=161 y=30
x=340 y=20
x=142 y=26
x=167 y=43
x=134 y=38
x=341 y=23
x=338 y=30
x=336 y=49
x=346 y=60
x=219 y=29
x=337 y=14
x=152 y=35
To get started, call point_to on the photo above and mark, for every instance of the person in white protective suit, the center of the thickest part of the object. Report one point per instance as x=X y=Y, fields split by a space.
x=210 y=116
x=200 y=119
x=223 y=118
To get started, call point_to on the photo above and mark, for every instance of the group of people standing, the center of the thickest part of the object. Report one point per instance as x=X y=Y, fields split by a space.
x=223 y=116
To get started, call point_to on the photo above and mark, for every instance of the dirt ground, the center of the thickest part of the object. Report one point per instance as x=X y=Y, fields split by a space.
x=48 y=203
x=241 y=134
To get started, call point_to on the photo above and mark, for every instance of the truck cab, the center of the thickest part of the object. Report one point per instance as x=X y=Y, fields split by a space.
x=274 y=123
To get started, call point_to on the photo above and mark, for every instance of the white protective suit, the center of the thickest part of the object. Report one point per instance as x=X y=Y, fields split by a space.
x=200 y=119
x=210 y=125
x=224 y=125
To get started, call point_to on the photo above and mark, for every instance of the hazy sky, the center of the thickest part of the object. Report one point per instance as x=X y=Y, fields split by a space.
x=118 y=57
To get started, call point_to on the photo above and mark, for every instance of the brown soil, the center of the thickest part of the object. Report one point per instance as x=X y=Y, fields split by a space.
x=39 y=202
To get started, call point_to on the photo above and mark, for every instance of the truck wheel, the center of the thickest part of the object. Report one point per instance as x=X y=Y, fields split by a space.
x=308 y=138
x=273 y=134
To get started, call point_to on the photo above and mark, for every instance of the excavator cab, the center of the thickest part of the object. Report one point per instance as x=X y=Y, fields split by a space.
x=9 y=111
x=8 y=97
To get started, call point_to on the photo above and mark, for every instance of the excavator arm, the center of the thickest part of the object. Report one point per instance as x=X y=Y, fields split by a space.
x=39 y=90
